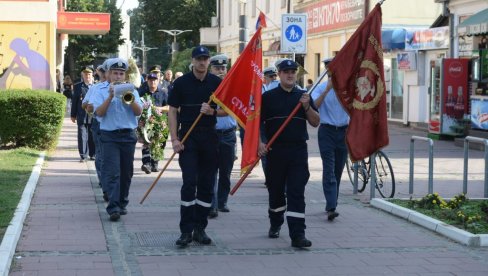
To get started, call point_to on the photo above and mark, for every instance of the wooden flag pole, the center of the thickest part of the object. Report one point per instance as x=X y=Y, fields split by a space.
x=173 y=155
x=277 y=133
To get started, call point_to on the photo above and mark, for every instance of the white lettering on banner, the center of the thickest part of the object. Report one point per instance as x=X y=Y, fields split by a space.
x=257 y=70
x=329 y=15
x=239 y=106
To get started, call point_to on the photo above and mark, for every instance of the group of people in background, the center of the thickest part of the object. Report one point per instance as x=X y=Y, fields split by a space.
x=106 y=133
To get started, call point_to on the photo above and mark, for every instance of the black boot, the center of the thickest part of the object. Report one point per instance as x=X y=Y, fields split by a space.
x=200 y=236
x=301 y=242
x=274 y=232
x=184 y=239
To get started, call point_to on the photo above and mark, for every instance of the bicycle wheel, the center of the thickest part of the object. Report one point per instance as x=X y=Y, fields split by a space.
x=385 y=180
x=362 y=179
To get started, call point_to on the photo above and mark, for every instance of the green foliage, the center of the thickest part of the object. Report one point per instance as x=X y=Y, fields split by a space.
x=83 y=49
x=470 y=215
x=154 y=15
x=31 y=118
x=16 y=167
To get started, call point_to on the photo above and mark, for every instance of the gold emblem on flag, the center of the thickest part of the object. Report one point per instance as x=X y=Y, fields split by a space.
x=365 y=86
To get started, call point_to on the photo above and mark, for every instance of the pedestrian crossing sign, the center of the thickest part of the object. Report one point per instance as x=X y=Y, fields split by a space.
x=294 y=33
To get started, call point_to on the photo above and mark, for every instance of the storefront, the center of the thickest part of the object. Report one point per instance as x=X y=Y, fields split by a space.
x=472 y=35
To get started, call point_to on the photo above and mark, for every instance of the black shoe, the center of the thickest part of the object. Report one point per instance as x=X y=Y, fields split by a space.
x=200 y=236
x=154 y=169
x=92 y=157
x=331 y=215
x=115 y=216
x=213 y=213
x=146 y=168
x=123 y=212
x=184 y=239
x=274 y=232
x=224 y=209
x=105 y=196
x=82 y=160
x=301 y=242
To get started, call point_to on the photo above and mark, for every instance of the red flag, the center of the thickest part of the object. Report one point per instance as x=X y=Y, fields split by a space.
x=261 y=22
x=239 y=95
x=358 y=78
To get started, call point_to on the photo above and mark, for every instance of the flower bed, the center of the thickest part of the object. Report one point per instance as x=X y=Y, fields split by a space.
x=446 y=217
x=469 y=215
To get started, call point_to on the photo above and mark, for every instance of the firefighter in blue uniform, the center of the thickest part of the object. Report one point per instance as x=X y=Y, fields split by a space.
x=287 y=164
x=198 y=156
x=86 y=145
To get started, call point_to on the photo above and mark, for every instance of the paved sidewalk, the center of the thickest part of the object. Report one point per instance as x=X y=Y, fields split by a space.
x=67 y=231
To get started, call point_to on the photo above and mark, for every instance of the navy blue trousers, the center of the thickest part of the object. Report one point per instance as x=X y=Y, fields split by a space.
x=333 y=151
x=288 y=171
x=227 y=152
x=118 y=166
x=198 y=163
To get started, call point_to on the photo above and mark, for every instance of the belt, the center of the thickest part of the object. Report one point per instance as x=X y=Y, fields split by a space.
x=225 y=131
x=334 y=127
x=121 y=130
x=197 y=128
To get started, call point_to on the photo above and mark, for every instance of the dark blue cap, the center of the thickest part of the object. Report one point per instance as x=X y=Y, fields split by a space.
x=287 y=64
x=155 y=68
x=200 y=51
x=152 y=76
x=88 y=69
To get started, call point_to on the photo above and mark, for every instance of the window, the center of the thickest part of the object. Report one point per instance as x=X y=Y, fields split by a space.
x=283 y=3
x=253 y=8
x=268 y=4
x=318 y=64
x=230 y=12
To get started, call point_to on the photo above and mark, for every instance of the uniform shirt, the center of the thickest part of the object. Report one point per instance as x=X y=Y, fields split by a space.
x=188 y=93
x=226 y=122
x=79 y=93
x=272 y=85
x=119 y=115
x=331 y=111
x=159 y=97
x=277 y=104
x=93 y=89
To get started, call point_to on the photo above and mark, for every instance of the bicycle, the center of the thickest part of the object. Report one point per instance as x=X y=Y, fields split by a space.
x=385 y=179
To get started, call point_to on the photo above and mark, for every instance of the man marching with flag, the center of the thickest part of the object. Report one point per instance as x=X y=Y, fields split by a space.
x=357 y=82
x=288 y=160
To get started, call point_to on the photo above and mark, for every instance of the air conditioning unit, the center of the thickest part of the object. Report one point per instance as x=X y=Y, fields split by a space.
x=214 y=22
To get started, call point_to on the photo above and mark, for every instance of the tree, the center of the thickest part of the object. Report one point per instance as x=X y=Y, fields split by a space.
x=84 y=49
x=154 y=15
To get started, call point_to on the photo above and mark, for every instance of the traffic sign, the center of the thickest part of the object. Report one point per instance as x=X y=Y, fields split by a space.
x=294 y=33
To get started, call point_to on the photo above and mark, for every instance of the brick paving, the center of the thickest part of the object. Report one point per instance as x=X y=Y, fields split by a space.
x=67 y=231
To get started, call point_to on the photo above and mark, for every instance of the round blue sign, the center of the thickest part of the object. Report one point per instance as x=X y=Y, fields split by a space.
x=293 y=33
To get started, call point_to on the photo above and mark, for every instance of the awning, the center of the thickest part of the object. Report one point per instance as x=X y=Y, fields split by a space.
x=476 y=24
x=393 y=39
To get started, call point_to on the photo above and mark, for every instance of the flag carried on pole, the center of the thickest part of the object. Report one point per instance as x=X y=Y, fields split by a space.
x=239 y=95
x=261 y=22
x=358 y=79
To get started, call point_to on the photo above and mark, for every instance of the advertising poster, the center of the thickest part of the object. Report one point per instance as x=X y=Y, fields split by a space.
x=479 y=113
x=455 y=93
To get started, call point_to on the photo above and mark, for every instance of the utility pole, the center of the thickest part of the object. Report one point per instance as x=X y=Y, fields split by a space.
x=174 y=45
x=144 y=49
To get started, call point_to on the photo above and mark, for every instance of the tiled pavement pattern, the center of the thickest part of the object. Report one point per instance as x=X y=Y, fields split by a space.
x=67 y=231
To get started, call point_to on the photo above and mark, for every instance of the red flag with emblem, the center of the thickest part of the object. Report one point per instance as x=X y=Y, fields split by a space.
x=239 y=95
x=358 y=79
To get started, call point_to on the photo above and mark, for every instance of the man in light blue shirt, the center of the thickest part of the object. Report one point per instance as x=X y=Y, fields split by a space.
x=95 y=126
x=118 y=121
x=332 y=142
x=226 y=133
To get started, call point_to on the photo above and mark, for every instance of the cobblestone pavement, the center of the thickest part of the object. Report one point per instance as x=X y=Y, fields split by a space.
x=67 y=231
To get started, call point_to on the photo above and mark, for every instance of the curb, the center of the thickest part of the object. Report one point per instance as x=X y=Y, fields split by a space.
x=446 y=230
x=12 y=235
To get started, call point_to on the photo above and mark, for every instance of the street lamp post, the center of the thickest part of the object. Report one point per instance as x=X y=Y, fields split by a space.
x=144 y=49
x=174 y=45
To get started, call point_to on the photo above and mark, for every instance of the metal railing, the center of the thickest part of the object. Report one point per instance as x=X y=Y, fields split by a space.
x=431 y=163
x=472 y=139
